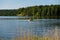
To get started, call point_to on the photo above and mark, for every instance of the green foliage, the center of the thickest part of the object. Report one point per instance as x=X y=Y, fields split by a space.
x=46 y=12
x=8 y=12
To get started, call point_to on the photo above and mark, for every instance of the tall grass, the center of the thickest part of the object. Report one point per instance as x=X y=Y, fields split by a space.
x=31 y=38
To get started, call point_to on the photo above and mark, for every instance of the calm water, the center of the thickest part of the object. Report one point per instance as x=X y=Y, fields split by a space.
x=14 y=28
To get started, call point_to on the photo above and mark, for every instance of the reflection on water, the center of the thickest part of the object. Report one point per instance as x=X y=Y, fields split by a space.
x=41 y=29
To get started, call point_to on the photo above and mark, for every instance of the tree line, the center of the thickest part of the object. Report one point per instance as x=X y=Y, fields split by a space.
x=39 y=12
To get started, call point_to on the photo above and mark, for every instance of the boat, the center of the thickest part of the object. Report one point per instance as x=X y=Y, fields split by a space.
x=30 y=19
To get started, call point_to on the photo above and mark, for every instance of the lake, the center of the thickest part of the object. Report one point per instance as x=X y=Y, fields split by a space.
x=38 y=27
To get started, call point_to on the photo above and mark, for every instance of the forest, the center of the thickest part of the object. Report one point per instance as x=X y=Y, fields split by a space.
x=36 y=12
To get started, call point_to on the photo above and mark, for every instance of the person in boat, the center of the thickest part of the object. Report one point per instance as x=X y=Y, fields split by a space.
x=30 y=19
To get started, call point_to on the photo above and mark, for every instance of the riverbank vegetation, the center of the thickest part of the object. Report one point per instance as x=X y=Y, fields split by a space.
x=32 y=38
x=27 y=38
x=39 y=12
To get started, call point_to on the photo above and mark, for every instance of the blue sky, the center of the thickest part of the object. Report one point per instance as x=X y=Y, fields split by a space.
x=14 y=4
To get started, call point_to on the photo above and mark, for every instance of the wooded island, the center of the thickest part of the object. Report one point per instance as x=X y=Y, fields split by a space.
x=36 y=12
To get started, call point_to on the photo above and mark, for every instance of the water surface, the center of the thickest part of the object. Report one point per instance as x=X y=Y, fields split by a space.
x=38 y=27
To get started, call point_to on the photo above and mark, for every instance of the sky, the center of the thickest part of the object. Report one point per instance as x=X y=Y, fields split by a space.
x=15 y=4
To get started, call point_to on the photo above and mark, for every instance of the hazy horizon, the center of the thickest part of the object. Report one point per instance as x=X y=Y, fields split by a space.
x=15 y=4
